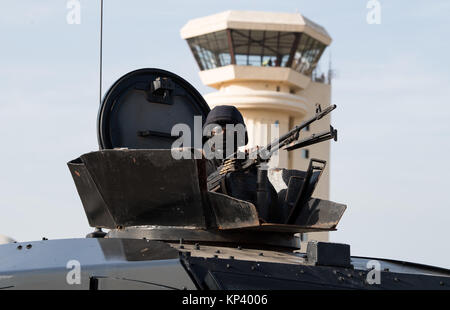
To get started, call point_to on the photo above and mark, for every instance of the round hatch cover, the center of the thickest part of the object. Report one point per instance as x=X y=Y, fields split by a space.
x=141 y=108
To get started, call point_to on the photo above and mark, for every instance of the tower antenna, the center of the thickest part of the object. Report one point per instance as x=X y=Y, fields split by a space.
x=101 y=50
x=330 y=69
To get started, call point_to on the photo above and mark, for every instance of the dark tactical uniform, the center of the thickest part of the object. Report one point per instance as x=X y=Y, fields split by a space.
x=223 y=115
x=239 y=184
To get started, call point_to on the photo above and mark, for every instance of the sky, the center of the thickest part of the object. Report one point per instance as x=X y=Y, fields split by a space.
x=392 y=88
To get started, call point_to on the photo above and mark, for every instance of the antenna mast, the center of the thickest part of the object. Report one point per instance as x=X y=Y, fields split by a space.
x=330 y=70
x=101 y=50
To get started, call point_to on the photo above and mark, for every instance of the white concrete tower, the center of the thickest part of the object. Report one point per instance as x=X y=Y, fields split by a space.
x=265 y=64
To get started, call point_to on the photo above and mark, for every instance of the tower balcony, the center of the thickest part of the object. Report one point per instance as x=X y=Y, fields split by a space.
x=255 y=77
x=260 y=100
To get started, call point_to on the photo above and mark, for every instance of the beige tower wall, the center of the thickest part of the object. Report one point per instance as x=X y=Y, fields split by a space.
x=316 y=93
x=262 y=130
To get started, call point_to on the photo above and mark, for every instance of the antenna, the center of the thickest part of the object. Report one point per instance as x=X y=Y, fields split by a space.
x=330 y=69
x=101 y=50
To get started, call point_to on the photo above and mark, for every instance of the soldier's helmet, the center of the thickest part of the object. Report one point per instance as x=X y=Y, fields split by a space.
x=225 y=114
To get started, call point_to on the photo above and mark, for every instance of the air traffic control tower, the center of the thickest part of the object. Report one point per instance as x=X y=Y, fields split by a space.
x=265 y=64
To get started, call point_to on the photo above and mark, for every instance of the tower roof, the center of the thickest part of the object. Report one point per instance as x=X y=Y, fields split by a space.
x=253 y=20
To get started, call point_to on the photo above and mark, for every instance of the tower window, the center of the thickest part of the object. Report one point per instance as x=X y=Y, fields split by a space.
x=305 y=153
x=252 y=47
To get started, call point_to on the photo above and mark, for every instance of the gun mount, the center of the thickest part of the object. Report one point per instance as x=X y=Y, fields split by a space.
x=135 y=187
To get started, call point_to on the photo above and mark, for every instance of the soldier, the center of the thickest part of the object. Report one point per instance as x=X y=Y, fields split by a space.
x=217 y=122
x=239 y=184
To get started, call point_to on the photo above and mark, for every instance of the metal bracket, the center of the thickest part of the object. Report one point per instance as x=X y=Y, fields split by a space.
x=312 y=177
x=160 y=90
x=154 y=133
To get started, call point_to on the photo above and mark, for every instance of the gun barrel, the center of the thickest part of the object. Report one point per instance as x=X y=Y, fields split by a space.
x=293 y=133
x=264 y=154
x=315 y=138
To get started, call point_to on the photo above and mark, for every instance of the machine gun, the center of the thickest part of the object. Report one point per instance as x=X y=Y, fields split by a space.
x=243 y=161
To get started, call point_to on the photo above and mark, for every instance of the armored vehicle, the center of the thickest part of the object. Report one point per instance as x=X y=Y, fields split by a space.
x=159 y=225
